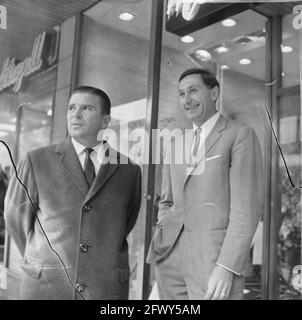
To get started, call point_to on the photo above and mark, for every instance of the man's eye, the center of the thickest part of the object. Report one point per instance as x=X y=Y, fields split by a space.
x=181 y=94
x=70 y=108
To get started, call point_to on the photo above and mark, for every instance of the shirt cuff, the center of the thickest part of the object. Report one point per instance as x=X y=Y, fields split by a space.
x=220 y=265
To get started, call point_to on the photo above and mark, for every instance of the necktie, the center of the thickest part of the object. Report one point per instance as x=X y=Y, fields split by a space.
x=196 y=143
x=89 y=167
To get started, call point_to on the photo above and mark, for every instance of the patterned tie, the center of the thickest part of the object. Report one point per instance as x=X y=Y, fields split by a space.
x=196 y=143
x=89 y=167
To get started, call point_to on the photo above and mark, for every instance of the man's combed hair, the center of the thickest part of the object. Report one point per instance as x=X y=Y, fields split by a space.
x=106 y=104
x=207 y=76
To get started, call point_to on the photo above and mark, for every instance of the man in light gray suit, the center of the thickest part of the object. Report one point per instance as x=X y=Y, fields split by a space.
x=207 y=215
x=85 y=201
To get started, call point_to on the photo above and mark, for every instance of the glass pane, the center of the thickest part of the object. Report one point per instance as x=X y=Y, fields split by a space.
x=242 y=72
x=35 y=126
x=237 y=56
x=289 y=245
x=35 y=131
x=114 y=58
x=8 y=105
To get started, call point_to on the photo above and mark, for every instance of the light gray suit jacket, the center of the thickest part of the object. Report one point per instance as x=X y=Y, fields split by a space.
x=86 y=227
x=218 y=209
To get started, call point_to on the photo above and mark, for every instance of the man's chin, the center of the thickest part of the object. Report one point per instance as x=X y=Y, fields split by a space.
x=75 y=134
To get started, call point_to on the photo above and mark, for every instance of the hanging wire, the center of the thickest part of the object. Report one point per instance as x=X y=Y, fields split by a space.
x=280 y=150
x=36 y=215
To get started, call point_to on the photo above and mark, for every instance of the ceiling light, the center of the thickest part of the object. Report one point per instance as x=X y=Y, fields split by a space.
x=283 y=74
x=126 y=16
x=203 y=55
x=245 y=61
x=286 y=49
x=224 y=67
x=228 y=22
x=187 y=39
x=222 y=49
x=49 y=112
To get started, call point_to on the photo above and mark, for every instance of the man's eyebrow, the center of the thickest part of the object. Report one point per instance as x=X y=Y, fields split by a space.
x=189 y=87
x=81 y=105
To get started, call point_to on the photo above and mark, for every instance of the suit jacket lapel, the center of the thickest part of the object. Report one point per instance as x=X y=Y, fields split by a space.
x=72 y=165
x=211 y=140
x=107 y=169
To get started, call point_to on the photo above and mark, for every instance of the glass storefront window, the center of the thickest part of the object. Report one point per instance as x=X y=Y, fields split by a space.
x=25 y=125
x=289 y=244
x=8 y=105
x=237 y=55
x=35 y=126
x=114 y=58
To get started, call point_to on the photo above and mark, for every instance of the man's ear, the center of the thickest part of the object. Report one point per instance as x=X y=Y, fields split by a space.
x=214 y=93
x=107 y=119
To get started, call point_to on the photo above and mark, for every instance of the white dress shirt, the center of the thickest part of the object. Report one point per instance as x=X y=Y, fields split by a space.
x=96 y=155
x=206 y=129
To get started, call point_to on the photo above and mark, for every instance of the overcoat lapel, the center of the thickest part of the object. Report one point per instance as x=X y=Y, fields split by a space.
x=70 y=161
x=107 y=169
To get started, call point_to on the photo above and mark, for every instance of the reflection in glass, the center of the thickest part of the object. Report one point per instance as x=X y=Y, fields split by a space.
x=289 y=244
x=242 y=94
x=115 y=59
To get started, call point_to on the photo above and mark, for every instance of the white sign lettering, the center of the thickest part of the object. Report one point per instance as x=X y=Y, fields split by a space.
x=3 y=17
x=188 y=8
x=13 y=73
x=297 y=21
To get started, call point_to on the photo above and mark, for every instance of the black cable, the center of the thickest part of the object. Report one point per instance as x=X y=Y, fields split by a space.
x=280 y=150
x=35 y=212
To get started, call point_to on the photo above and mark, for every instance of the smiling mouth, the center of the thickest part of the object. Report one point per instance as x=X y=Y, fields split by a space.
x=193 y=107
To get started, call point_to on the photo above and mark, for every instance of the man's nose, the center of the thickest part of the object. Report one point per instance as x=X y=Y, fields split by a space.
x=187 y=98
x=78 y=113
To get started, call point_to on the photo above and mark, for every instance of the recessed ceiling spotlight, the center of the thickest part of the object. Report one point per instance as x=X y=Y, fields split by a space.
x=126 y=16
x=224 y=67
x=222 y=49
x=245 y=61
x=187 y=39
x=228 y=22
x=203 y=55
x=283 y=74
x=286 y=49
x=49 y=112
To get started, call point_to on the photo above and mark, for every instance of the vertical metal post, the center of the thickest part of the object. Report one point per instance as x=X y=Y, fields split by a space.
x=267 y=163
x=274 y=266
x=76 y=61
x=270 y=274
x=143 y=270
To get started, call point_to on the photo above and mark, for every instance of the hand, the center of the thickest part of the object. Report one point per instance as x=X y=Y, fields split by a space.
x=220 y=284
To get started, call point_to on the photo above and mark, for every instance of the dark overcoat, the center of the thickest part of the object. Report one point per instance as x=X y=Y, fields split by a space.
x=71 y=228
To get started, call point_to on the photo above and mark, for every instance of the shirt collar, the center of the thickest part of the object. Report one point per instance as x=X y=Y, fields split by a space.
x=79 y=148
x=209 y=124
